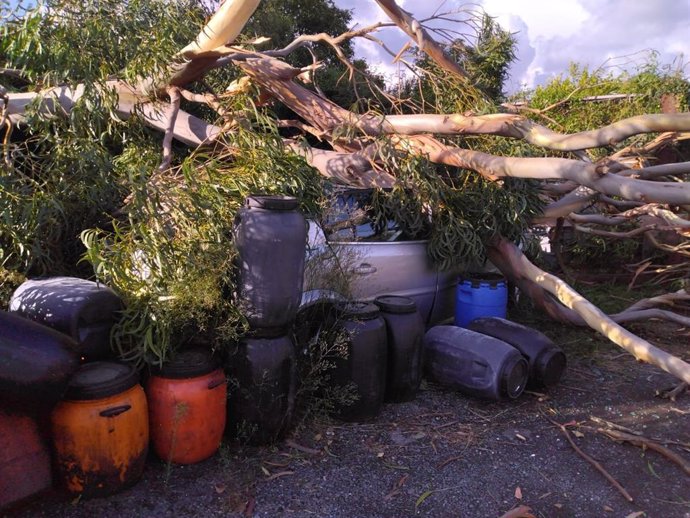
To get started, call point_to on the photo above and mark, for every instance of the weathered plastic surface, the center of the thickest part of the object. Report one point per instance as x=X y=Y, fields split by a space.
x=187 y=416
x=82 y=309
x=262 y=384
x=405 y=333
x=271 y=237
x=24 y=459
x=36 y=363
x=366 y=362
x=480 y=295
x=547 y=362
x=101 y=445
x=473 y=363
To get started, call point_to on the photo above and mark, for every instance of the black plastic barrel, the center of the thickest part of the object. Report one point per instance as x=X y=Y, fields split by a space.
x=405 y=334
x=271 y=238
x=36 y=363
x=547 y=362
x=473 y=363
x=82 y=309
x=261 y=386
x=363 y=371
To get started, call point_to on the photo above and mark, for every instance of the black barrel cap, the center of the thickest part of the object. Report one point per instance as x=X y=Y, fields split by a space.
x=271 y=202
x=395 y=304
x=188 y=363
x=513 y=377
x=477 y=279
x=357 y=310
x=551 y=365
x=98 y=380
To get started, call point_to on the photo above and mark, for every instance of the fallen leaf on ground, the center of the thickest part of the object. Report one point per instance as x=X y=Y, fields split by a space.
x=519 y=512
x=521 y=437
x=220 y=488
x=636 y=514
x=422 y=497
x=518 y=493
x=577 y=434
x=608 y=509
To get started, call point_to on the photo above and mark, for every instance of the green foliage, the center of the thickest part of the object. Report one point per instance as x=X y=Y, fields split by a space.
x=645 y=86
x=68 y=41
x=172 y=259
x=458 y=211
x=485 y=56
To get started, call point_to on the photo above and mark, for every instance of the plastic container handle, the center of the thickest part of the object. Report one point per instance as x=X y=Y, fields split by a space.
x=215 y=383
x=116 y=410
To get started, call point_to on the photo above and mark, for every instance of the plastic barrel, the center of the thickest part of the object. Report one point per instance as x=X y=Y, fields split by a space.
x=187 y=400
x=100 y=430
x=481 y=295
x=547 y=362
x=475 y=364
x=364 y=368
x=271 y=238
x=84 y=310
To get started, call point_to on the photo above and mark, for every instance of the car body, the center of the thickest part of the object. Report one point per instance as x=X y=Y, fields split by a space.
x=358 y=262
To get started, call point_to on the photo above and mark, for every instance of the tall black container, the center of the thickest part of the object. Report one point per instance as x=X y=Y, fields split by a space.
x=405 y=332
x=261 y=388
x=36 y=363
x=271 y=237
x=82 y=309
x=547 y=362
x=364 y=369
x=473 y=363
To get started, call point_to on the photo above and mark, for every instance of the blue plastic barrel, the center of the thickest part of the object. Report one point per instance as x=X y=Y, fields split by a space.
x=480 y=295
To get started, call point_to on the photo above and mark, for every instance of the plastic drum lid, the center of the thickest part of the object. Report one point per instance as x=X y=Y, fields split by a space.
x=188 y=363
x=358 y=310
x=396 y=304
x=100 y=380
x=492 y=280
x=271 y=202
x=514 y=377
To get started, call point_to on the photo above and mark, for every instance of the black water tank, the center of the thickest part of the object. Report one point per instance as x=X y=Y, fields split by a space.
x=546 y=361
x=364 y=369
x=82 y=309
x=36 y=363
x=261 y=386
x=405 y=331
x=473 y=363
x=271 y=237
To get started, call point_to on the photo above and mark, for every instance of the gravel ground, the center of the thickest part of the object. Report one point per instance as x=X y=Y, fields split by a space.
x=445 y=455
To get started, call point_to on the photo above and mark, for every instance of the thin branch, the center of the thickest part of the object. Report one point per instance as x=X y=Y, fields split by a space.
x=172 y=112
x=645 y=443
x=593 y=462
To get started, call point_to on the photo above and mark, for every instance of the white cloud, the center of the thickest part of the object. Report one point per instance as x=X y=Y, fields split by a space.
x=553 y=33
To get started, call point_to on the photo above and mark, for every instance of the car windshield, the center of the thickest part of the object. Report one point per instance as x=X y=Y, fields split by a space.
x=349 y=217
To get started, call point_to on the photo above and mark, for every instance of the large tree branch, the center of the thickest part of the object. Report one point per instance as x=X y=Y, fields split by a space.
x=589 y=175
x=421 y=37
x=516 y=267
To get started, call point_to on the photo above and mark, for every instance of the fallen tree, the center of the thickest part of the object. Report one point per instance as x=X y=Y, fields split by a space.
x=402 y=152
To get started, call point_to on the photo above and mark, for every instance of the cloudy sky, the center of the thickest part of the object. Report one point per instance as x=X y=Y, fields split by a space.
x=553 y=33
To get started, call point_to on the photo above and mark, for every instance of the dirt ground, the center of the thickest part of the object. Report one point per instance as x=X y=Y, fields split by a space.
x=447 y=455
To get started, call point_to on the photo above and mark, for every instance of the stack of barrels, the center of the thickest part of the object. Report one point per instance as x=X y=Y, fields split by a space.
x=271 y=238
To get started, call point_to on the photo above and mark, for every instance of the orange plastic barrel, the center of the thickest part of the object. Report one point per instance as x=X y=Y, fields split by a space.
x=101 y=430
x=187 y=407
x=24 y=459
